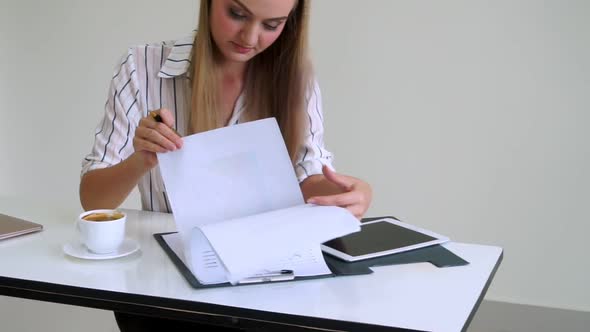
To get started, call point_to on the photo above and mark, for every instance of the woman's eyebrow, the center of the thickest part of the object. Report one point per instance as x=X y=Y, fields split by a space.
x=277 y=19
x=239 y=3
x=243 y=6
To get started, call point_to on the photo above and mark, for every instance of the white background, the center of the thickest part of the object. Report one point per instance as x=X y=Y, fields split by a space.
x=467 y=117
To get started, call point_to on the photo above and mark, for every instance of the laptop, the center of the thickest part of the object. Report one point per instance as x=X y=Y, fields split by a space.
x=12 y=226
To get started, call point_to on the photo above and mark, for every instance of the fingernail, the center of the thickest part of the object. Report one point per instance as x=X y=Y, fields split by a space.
x=311 y=201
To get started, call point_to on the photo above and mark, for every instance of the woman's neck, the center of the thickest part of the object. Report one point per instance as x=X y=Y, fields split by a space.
x=233 y=71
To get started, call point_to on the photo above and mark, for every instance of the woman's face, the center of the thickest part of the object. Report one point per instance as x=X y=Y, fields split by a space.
x=243 y=28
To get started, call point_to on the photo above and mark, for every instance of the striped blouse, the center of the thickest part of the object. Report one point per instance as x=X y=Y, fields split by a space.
x=154 y=76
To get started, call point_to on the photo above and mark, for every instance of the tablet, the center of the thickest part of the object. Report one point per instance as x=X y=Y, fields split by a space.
x=379 y=238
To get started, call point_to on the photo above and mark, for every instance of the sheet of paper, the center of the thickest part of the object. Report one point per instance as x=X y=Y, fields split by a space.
x=305 y=262
x=209 y=266
x=204 y=260
x=174 y=241
x=228 y=173
x=308 y=262
x=279 y=239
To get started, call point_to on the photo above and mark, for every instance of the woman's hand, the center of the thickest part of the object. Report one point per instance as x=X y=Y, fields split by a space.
x=356 y=196
x=152 y=137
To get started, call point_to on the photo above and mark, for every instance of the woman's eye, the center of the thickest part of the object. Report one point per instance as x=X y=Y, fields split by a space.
x=236 y=14
x=270 y=27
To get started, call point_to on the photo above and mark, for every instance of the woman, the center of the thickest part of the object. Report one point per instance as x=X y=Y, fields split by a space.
x=248 y=61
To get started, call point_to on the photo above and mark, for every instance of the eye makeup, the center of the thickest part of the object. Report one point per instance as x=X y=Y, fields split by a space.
x=236 y=14
x=237 y=11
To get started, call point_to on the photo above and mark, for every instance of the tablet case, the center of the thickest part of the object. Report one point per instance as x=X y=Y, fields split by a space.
x=437 y=255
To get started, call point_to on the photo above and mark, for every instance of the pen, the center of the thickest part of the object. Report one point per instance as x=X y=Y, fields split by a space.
x=275 y=273
x=281 y=275
x=158 y=118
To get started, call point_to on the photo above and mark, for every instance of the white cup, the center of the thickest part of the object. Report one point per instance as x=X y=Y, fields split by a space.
x=102 y=237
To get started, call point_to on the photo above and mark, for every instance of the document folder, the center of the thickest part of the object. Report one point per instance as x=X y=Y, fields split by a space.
x=437 y=255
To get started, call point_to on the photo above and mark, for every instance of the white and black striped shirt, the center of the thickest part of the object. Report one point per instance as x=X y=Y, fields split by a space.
x=154 y=76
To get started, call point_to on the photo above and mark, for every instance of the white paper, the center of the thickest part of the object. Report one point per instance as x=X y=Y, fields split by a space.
x=238 y=206
x=210 y=269
x=205 y=260
x=228 y=173
x=281 y=239
x=303 y=263
x=174 y=241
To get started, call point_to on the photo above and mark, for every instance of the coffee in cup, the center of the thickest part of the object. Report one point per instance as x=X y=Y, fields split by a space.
x=102 y=231
x=103 y=216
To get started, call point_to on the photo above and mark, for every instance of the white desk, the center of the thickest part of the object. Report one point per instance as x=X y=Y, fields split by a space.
x=394 y=298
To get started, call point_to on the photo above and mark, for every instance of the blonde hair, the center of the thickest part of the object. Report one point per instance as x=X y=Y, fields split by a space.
x=276 y=82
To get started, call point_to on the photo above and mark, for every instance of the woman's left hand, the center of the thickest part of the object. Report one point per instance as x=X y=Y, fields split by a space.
x=356 y=196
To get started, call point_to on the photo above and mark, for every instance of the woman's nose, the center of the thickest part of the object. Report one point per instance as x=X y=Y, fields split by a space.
x=249 y=35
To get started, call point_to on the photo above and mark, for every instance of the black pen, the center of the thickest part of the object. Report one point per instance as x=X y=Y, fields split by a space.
x=273 y=273
x=281 y=275
x=158 y=118
x=276 y=273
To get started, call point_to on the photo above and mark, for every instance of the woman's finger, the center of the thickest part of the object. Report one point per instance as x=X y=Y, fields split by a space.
x=342 y=181
x=169 y=134
x=355 y=210
x=164 y=125
x=143 y=145
x=358 y=210
x=147 y=122
x=344 y=199
x=155 y=137
x=167 y=117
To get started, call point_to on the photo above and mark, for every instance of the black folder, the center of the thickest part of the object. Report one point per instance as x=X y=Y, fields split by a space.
x=437 y=255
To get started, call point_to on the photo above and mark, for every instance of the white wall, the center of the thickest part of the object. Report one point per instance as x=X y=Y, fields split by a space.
x=57 y=59
x=466 y=116
x=469 y=118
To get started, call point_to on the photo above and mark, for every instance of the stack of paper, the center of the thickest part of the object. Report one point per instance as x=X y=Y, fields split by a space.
x=238 y=206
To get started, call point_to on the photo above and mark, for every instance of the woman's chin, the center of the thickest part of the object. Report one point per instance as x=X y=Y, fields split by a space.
x=238 y=57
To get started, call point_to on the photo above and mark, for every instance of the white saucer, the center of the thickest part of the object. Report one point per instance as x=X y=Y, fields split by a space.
x=78 y=250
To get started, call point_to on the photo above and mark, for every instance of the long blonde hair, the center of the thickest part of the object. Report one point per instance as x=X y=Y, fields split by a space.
x=276 y=81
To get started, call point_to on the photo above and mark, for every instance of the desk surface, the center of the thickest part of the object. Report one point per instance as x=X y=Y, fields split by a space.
x=413 y=297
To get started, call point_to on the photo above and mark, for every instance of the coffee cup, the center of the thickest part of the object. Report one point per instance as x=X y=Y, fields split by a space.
x=102 y=231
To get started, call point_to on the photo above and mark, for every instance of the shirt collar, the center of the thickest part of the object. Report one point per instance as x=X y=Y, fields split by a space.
x=179 y=59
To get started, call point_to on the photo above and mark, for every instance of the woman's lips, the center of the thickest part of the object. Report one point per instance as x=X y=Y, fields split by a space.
x=241 y=49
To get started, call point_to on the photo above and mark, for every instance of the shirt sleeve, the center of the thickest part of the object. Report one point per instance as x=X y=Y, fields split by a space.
x=312 y=154
x=113 y=138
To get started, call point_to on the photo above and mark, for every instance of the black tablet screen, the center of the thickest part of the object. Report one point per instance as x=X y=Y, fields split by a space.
x=376 y=237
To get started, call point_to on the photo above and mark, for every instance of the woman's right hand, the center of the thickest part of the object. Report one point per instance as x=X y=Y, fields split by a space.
x=152 y=137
